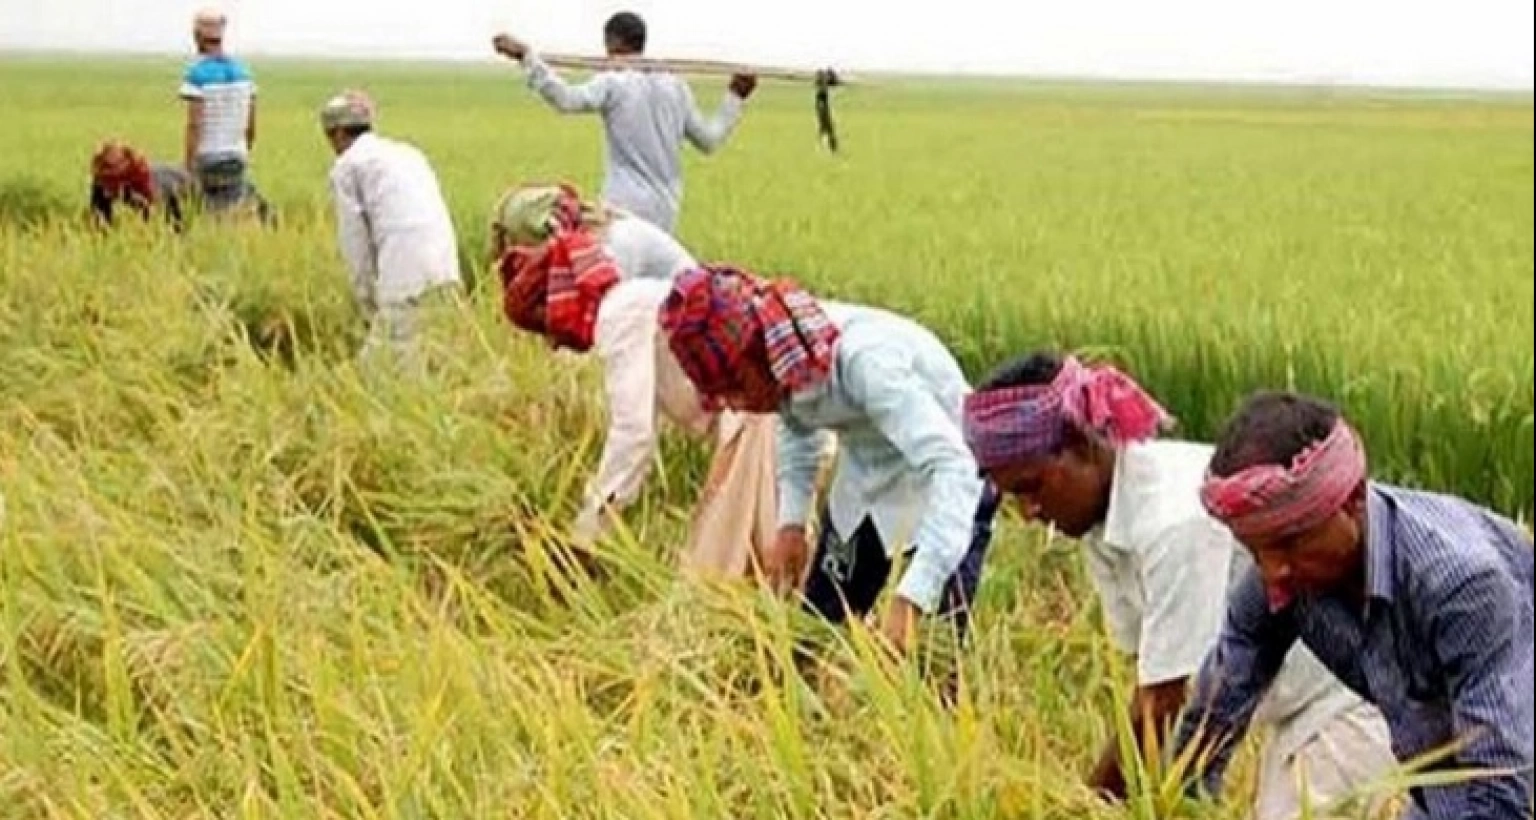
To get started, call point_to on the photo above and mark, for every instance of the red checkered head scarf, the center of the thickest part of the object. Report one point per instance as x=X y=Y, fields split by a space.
x=1279 y=500
x=716 y=314
x=1013 y=424
x=554 y=287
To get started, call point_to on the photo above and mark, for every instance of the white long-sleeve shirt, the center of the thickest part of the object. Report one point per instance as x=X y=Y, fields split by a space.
x=1163 y=567
x=647 y=115
x=392 y=221
x=643 y=383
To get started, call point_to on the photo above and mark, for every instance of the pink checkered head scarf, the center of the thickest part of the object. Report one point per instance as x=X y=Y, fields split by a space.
x=1013 y=424
x=1277 y=501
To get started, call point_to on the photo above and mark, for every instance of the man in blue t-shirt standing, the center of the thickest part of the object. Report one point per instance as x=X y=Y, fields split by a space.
x=221 y=116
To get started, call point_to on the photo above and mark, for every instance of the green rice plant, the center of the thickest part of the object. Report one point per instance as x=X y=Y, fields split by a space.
x=241 y=578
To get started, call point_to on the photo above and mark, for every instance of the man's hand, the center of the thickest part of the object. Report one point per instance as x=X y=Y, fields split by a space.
x=1154 y=709
x=900 y=623
x=784 y=560
x=742 y=85
x=1106 y=780
x=509 y=46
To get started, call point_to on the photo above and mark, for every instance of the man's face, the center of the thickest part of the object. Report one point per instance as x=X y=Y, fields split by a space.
x=1066 y=490
x=337 y=140
x=753 y=390
x=1319 y=561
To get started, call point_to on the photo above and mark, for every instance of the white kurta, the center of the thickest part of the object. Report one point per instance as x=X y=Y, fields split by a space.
x=643 y=382
x=392 y=222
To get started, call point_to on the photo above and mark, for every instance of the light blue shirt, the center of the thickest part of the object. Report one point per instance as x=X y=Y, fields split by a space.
x=647 y=116
x=894 y=403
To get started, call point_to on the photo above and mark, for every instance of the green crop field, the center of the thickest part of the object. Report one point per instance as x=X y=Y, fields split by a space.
x=239 y=580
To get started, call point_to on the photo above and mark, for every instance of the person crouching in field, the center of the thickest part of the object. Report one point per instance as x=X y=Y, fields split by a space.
x=589 y=279
x=1078 y=447
x=394 y=230
x=121 y=175
x=891 y=393
x=1420 y=601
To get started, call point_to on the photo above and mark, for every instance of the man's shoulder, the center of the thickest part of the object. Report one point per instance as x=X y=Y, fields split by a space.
x=869 y=336
x=626 y=315
x=648 y=293
x=1156 y=491
x=398 y=148
x=865 y=328
x=1163 y=459
x=211 y=70
x=1440 y=541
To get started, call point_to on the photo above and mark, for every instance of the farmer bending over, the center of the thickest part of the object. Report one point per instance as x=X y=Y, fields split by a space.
x=891 y=393
x=393 y=227
x=590 y=278
x=646 y=117
x=120 y=175
x=1077 y=446
x=1420 y=602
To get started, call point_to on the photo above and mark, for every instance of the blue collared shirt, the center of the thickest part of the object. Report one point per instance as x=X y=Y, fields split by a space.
x=894 y=403
x=1442 y=645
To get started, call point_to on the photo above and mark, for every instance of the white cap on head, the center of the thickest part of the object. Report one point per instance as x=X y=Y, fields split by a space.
x=209 y=22
x=348 y=109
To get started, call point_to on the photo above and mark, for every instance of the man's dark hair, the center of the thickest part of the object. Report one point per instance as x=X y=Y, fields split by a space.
x=1271 y=427
x=355 y=131
x=626 y=30
x=1039 y=367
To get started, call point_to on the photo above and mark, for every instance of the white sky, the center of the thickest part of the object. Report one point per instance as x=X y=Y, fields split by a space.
x=1469 y=43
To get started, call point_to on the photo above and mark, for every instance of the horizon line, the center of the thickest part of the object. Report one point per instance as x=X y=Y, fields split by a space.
x=1319 y=83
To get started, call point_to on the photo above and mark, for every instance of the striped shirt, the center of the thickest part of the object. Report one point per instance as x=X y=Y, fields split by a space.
x=1442 y=645
x=226 y=89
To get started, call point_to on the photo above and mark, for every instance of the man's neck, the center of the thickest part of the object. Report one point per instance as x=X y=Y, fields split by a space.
x=1107 y=459
x=1355 y=585
x=351 y=141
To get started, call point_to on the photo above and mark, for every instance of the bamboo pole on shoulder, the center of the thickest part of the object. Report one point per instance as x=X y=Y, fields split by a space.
x=687 y=66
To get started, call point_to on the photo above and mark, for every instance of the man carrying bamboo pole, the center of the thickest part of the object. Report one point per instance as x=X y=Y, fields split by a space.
x=646 y=117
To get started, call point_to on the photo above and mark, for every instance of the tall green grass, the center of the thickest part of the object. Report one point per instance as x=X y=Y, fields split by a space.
x=240 y=579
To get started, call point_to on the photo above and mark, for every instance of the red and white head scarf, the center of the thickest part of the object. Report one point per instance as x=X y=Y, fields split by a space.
x=716 y=313
x=1276 y=501
x=1014 y=424
x=555 y=287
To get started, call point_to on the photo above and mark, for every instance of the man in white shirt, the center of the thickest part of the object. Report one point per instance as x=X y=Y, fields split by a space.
x=1076 y=445
x=393 y=227
x=590 y=278
x=646 y=117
